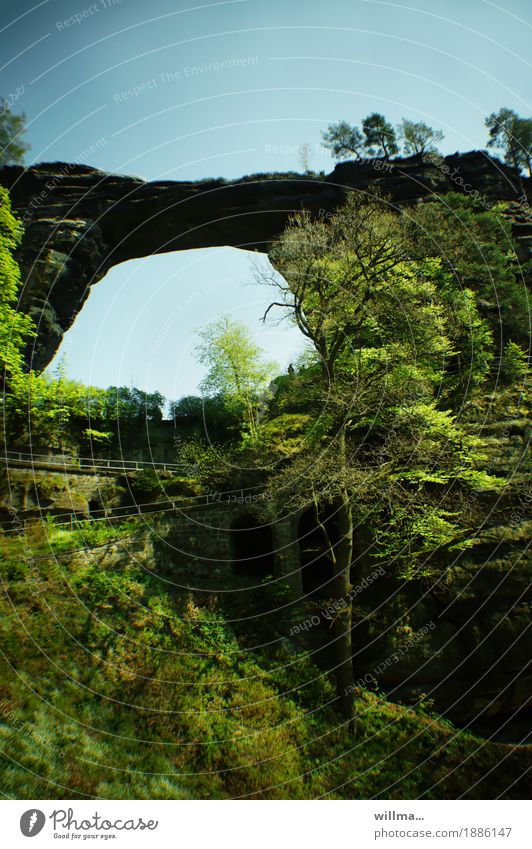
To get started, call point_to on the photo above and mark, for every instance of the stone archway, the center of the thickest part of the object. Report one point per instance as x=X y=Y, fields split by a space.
x=252 y=547
x=316 y=567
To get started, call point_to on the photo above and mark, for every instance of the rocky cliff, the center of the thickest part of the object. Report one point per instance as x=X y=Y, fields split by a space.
x=81 y=221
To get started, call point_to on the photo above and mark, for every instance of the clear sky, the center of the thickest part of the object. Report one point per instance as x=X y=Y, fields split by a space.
x=186 y=90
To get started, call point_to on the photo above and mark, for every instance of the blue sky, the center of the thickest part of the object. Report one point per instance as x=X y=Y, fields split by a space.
x=188 y=90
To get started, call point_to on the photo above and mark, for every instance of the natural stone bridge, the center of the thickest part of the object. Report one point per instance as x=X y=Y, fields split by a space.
x=81 y=221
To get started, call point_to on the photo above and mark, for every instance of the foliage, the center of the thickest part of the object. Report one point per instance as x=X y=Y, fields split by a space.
x=237 y=373
x=145 y=485
x=343 y=140
x=418 y=137
x=54 y=410
x=344 y=279
x=514 y=364
x=91 y=533
x=12 y=127
x=476 y=246
x=330 y=268
x=513 y=135
x=396 y=335
x=15 y=327
x=97 y=436
x=150 y=485
x=95 y=710
x=210 y=417
x=380 y=136
x=350 y=285
x=223 y=732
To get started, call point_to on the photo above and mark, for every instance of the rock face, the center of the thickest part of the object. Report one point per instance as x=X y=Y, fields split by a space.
x=81 y=221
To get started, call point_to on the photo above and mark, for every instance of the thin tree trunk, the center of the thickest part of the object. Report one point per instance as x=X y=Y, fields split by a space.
x=343 y=652
x=518 y=169
x=342 y=624
x=340 y=557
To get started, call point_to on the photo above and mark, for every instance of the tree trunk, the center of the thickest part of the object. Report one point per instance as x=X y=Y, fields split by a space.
x=517 y=167
x=343 y=653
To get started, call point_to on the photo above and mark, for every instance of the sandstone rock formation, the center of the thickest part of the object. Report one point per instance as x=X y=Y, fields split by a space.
x=81 y=221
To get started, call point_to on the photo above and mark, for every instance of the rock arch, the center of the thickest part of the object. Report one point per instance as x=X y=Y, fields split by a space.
x=81 y=221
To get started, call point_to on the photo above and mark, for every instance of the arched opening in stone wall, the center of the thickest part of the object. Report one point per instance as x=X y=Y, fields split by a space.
x=316 y=563
x=252 y=546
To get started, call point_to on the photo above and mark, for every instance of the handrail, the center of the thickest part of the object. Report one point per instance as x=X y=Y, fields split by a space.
x=88 y=462
x=109 y=515
x=205 y=499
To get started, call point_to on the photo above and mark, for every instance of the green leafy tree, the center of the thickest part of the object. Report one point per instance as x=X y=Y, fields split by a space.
x=477 y=247
x=377 y=138
x=343 y=140
x=380 y=137
x=513 y=135
x=208 y=416
x=15 y=327
x=382 y=330
x=12 y=128
x=237 y=371
x=514 y=363
x=418 y=137
x=129 y=408
x=330 y=269
x=53 y=410
x=45 y=409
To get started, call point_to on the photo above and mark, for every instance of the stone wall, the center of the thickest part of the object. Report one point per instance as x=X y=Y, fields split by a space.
x=463 y=643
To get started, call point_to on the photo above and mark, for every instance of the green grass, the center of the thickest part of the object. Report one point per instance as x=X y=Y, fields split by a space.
x=116 y=686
